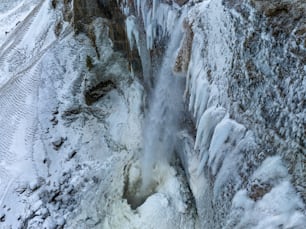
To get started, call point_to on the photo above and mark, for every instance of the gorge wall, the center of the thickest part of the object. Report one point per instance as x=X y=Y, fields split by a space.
x=245 y=85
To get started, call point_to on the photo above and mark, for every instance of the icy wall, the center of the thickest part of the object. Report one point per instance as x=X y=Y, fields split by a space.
x=71 y=117
x=245 y=88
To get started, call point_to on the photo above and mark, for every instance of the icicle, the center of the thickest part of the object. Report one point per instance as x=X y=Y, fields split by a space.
x=207 y=124
x=200 y=98
x=204 y=101
x=191 y=87
x=197 y=75
x=138 y=7
x=132 y=32
x=219 y=137
x=149 y=37
x=203 y=160
x=155 y=3
x=194 y=81
x=187 y=86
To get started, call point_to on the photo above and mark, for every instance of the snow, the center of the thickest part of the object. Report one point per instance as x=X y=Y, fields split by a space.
x=166 y=208
x=279 y=206
x=272 y=170
x=113 y=165
x=76 y=156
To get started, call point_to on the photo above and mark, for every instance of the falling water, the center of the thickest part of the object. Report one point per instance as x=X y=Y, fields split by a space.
x=165 y=109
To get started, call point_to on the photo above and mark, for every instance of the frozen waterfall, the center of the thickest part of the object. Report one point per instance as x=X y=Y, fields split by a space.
x=153 y=114
x=164 y=113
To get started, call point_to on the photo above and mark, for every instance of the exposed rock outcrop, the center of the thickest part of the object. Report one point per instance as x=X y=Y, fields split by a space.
x=273 y=60
x=85 y=12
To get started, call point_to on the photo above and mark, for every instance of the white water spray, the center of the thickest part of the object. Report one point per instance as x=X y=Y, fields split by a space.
x=165 y=109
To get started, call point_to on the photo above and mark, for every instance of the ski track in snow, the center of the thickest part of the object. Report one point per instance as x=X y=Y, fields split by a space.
x=18 y=94
x=17 y=36
x=14 y=109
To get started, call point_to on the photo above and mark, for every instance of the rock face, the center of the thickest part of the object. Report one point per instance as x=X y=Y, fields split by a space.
x=181 y=2
x=260 y=73
x=84 y=13
x=71 y=124
x=273 y=56
x=245 y=85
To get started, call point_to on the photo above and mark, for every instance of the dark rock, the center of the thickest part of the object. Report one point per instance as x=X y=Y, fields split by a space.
x=58 y=29
x=55 y=112
x=2 y=218
x=98 y=91
x=89 y=62
x=21 y=189
x=183 y=56
x=71 y=155
x=54 y=3
x=257 y=190
x=72 y=114
x=55 y=122
x=181 y=2
x=86 y=11
x=55 y=196
x=95 y=179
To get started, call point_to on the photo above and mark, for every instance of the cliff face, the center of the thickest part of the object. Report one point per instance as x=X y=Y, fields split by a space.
x=245 y=86
x=273 y=59
x=153 y=114
x=252 y=54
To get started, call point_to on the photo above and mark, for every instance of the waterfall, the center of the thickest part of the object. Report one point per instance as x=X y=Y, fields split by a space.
x=165 y=109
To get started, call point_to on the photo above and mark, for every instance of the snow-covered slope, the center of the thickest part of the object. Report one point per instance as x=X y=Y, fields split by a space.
x=152 y=114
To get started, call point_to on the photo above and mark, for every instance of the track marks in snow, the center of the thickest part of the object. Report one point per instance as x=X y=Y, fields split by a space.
x=20 y=56
x=17 y=106
x=17 y=36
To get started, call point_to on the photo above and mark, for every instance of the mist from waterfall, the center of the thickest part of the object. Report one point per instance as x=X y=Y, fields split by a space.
x=165 y=109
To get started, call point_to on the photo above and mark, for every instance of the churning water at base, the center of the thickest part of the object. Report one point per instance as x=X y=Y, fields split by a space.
x=165 y=109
